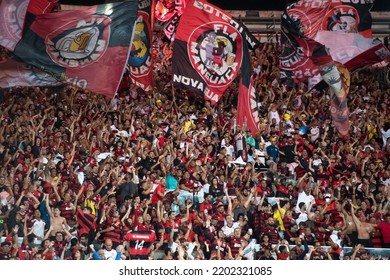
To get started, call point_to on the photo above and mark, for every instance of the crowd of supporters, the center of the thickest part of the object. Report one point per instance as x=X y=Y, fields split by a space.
x=168 y=176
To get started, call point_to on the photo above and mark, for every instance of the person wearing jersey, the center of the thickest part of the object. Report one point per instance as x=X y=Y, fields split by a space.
x=218 y=243
x=112 y=227
x=140 y=243
x=173 y=223
x=187 y=188
x=236 y=241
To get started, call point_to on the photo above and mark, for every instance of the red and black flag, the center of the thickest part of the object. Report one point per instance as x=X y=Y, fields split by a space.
x=251 y=41
x=12 y=18
x=247 y=105
x=351 y=16
x=351 y=49
x=172 y=17
x=207 y=52
x=38 y=7
x=310 y=13
x=377 y=54
x=88 y=48
x=301 y=56
x=140 y=59
x=86 y=221
x=168 y=13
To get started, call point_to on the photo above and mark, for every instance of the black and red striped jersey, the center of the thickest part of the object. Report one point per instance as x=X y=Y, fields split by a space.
x=140 y=243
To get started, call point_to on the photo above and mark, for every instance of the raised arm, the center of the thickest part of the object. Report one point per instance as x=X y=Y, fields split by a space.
x=355 y=219
x=48 y=208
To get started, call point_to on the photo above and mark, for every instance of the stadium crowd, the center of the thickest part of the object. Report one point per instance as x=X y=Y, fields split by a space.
x=168 y=176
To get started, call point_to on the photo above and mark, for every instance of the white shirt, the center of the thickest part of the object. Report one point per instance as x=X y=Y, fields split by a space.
x=39 y=227
x=110 y=255
x=229 y=230
x=317 y=161
x=302 y=218
x=303 y=197
x=385 y=135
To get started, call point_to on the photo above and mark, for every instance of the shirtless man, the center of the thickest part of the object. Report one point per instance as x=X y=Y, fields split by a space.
x=364 y=229
x=350 y=227
x=57 y=223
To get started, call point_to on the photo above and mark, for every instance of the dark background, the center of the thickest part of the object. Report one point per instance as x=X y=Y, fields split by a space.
x=379 y=5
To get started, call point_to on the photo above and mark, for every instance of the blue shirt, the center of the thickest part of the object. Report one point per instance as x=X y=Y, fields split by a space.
x=273 y=152
x=172 y=183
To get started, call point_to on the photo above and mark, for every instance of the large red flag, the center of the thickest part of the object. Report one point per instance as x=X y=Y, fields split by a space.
x=301 y=57
x=247 y=105
x=207 y=51
x=88 y=47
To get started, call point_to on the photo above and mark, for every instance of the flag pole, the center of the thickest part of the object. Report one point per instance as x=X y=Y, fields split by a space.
x=152 y=14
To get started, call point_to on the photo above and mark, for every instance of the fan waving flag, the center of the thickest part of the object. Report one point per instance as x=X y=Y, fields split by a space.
x=140 y=60
x=88 y=48
x=12 y=17
x=207 y=51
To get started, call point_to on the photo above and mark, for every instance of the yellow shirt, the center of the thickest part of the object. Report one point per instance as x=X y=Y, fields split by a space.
x=278 y=217
x=187 y=126
x=371 y=130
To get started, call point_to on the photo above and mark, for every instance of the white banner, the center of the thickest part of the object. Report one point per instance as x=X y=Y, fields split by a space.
x=193 y=270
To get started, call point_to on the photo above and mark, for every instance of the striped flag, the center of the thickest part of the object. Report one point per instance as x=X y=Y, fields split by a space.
x=247 y=105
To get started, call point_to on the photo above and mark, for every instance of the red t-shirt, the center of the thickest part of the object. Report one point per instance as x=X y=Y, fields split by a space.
x=205 y=205
x=282 y=256
x=155 y=197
